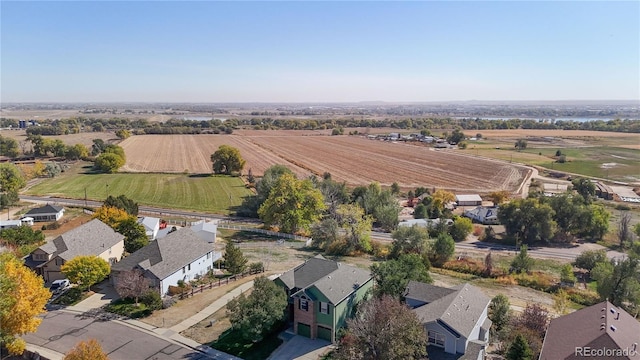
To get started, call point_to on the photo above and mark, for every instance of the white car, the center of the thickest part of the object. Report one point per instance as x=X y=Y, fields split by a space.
x=59 y=286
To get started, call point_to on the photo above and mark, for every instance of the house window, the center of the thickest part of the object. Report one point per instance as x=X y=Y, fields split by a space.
x=436 y=338
x=208 y=255
x=183 y=270
x=189 y=267
x=304 y=305
x=59 y=262
x=324 y=308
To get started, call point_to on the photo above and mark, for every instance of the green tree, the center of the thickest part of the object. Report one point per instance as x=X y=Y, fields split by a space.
x=325 y=233
x=115 y=149
x=499 y=313
x=255 y=315
x=123 y=134
x=522 y=262
x=636 y=229
x=392 y=276
x=456 y=136
x=442 y=249
x=566 y=274
x=528 y=220
x=356 y=225
x=383 y=329
x=58 y=147
x=11 y=179
x=519 y=349
x=8 y=147
x=420 y=211
x=521 y=144
x=227 y=160
x=109 y=162
x=379 y=203
x=618 y=280
x=122 y=202
x=21 y=235
x=135 y=235
x=395 y=188
x=461 y=228
x=22 y=299
x=594 y=219
x=234 y=259
x=86 y=270
x=76 y=152
x=409 y=240
x=292 y=204
x=588 y=259
x=98 y=147
x=585 y=187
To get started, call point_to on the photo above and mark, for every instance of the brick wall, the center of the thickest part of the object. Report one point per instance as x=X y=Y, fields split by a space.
x=305 y=317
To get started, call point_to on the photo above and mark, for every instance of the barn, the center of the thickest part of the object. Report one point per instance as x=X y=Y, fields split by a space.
x=468 y=200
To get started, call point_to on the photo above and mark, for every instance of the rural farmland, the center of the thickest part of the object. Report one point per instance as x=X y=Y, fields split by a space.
x=355 y=160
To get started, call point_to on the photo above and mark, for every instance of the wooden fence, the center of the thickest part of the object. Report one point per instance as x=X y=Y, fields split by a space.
x=200 y=288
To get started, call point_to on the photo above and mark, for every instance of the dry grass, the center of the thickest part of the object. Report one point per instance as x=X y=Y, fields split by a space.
x=84 y=138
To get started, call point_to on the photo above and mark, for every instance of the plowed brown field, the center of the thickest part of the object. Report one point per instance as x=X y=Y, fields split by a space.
x=355 y=160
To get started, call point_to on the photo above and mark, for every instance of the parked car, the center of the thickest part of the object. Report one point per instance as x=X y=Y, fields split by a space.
x=59 y=285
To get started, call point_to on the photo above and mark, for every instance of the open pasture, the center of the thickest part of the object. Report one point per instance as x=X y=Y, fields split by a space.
x=356 y=160
x=84 y=138
x=216 y=194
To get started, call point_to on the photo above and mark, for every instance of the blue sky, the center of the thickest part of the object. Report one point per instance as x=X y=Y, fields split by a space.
x=318 y=51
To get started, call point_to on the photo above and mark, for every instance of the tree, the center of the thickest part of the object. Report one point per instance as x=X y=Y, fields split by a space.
x=122 y=202
x=625 y=235
x=111 y=216
x=132 y=284
x=594 y=219
x=522 y=262
x=87 y=350
x=498 y=197
x=461 y=228
x=59 y=148
x=255 y=315
x=356 y=225
x=519 y=349
x=392 y=276
x=379 y=203
x=499 y=313
x=618 y=280
x=52 y=169
x=528 y=220
x=566 y=274
x=395 y=188
x=636 y=229
x=561 y=302
x=325 y=233
x=11 y=180
x=98 y=147
x=535 y=318
x=227 y=160
x=123 y=134
x=21 y=235
x=109 y=162
x=442 y=198
x=234 y=259
x=585 y=187
x=8 y=147
x=135 y=235
x=292 y=204
x=86 y=270
x=76 y=152
x=22 y=298
x=383 y=329
x=588 y=259
x=521 y=144
x=409 y=240
x=334 y=193
x=420 y=211
x=455 y=137
x=442 y=249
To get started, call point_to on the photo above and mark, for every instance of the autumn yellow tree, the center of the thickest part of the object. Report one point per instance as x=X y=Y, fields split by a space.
x=441 y=198
x=111 y=216
x=86 y=270
x=22 y=298
x=498 y=197
x=87 y=350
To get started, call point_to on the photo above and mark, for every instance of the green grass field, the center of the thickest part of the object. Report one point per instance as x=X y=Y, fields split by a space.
x=215 y=194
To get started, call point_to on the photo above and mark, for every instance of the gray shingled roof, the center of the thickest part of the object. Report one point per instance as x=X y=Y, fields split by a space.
x=460 y=310
x=165 y=256
x=597 y=326
x=92 y=238
x=425 y=292
x=47 y=209
x=340 y=283
x=309 y=272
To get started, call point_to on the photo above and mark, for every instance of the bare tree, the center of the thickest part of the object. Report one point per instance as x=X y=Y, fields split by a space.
x=132 y=284
x=624 y=229
x=384 y=328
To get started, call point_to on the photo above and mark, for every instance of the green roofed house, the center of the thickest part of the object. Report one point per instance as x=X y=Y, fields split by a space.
x=322 y=295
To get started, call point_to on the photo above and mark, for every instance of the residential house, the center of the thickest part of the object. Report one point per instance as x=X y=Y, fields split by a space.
x=455 y=319
x=181 y=255
x=207 y=231
x=600 y=327
x=484 y=215
x=151 y=226
x=92 y=238
x=322 y=295
x=46 y=213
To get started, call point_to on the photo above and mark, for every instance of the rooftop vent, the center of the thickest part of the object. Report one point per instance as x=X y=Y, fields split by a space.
x=617 y=316
x=612 y=311
x=613 y=328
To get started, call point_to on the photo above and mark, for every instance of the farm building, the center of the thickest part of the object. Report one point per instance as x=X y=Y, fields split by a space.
x=468 y=200
x=484 y=215
x=423 y=222
x=604 y=191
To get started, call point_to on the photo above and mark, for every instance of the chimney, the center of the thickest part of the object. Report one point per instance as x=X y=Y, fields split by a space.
x=617 y=316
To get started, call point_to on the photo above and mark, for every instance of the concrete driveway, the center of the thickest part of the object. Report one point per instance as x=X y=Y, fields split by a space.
x=301 y=348
x=61 y=330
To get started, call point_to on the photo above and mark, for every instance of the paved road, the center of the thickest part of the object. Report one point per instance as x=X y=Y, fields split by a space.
x=61 y=330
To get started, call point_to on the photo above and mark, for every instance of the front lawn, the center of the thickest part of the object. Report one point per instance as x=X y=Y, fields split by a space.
x=127 y=307
x=72 y=297
x=232 y=342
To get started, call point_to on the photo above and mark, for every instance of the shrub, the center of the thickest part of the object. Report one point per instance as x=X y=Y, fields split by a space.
x=152 y=300
x=506 y=280
x=256 y=267
x=380 y=250
x=477 y=230
x=583 y=297
x=536 y=280
x=176 y=290
x=52 y=226
x=467 y=266
x=168 y=302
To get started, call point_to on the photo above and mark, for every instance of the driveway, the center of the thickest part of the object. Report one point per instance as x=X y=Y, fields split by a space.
x=301 y=348
x=61 y=330
x=104 y=295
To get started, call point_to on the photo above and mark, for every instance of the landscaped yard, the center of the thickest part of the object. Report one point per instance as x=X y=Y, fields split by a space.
x=216 y=194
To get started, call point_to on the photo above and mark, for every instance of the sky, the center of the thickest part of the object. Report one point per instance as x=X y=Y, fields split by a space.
x=395 y=51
